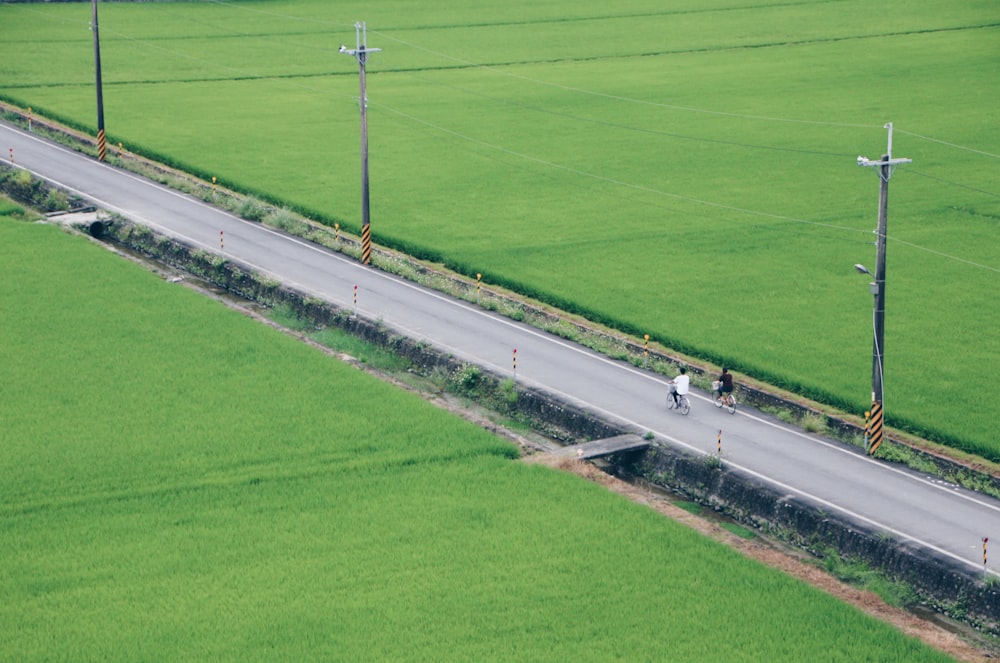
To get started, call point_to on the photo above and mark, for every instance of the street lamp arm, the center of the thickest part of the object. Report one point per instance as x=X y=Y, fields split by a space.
x=868 y=163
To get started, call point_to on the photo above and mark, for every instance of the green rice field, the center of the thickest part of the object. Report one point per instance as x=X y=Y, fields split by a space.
x=180 y=482
x=682 y=169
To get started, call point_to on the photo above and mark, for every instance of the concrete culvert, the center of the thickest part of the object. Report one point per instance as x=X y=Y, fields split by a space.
x=98 y=228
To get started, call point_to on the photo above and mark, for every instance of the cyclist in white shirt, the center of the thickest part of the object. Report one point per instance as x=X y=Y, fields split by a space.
x=681 y=384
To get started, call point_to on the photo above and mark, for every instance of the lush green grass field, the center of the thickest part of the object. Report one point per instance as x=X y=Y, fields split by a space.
x=685 y=171
x=182 y=483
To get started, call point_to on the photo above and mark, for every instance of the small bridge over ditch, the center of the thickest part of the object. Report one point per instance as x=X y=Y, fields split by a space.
x=605 y=447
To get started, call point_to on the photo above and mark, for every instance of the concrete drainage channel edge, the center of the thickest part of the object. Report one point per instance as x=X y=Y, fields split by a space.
x=942 y=583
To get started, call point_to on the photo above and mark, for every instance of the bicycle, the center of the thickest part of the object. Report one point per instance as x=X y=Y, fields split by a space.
x=721 y=399
x=683 y=405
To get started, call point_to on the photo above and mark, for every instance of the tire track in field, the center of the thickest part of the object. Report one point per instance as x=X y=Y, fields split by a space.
x=458 y=64
x=461 y=65
x=326 y=25
x=613 y=17
x=236 y=475
x=545 y=110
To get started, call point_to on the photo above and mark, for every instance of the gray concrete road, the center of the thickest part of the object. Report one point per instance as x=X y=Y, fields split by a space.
x=911 y=507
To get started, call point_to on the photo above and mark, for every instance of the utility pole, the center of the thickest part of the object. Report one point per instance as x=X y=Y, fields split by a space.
x=101 y=144
x=885 y=165
x=361 y=54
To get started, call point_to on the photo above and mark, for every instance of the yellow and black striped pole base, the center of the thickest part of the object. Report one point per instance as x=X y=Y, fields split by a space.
x=366 y=244
x=875 y=429
x=102 y=146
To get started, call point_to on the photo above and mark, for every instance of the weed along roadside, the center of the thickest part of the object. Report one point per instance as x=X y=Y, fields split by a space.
x=935 y=581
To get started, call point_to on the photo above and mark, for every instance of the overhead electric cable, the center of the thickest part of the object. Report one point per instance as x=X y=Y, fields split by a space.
x=943 y=142
x=554 y=165
x=952 y=183
x=495 y=69
x=943 y=255
x=609 y=180
x=764 y=118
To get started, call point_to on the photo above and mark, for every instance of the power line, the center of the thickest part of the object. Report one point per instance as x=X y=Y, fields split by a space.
x=234 y=73
x=610 y=180
x=551 y=164
x=943 y=255
x=594 y=176
x=953 y=145
x=495 y=69
x=626 y=127
x=953 y=183
x=676 y=196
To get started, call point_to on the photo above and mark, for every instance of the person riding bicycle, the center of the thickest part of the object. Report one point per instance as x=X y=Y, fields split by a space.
x=725 y=384
x=680 y=386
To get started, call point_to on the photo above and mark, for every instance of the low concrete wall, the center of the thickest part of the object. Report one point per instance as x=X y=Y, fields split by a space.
x=941 y=582
x=749 y=395
x=560 y=421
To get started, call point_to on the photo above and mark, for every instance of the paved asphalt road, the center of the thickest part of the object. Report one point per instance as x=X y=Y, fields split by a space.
x=910 y=506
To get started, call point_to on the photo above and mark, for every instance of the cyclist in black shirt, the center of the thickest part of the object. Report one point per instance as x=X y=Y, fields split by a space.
x=725 y=383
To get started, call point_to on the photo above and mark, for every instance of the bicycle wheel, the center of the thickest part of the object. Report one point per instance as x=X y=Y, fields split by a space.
x=731 y=404
x=670 y=402
x=685 y=406
x=718 y=399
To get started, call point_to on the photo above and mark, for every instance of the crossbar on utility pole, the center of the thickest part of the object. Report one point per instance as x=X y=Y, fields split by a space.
x=885 y=165
x=360 y=53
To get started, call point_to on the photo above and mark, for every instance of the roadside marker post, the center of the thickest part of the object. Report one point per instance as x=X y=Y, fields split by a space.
x=355 y=300
x=986 y=540
x=645 y=350
x=12 y=155
x=718 y=444
x=868 y=432
x=214 y=183
x=336 y=232
x=222 y=242
x=29 y=119
x=515 y=364
x=479 y=283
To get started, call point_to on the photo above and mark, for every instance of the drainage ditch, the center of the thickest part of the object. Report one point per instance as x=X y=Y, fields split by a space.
x=941 y=584
x=724 y=496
